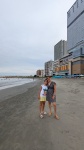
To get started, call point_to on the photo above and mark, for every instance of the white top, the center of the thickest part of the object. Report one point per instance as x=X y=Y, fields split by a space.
x=43 y=90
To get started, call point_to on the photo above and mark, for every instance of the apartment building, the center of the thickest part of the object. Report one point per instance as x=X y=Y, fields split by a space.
x=60 y=49
x=75 y=37
x=49 y=68
x=40 y=73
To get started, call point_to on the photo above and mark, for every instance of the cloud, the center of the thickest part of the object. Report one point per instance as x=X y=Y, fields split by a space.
x=28 y=32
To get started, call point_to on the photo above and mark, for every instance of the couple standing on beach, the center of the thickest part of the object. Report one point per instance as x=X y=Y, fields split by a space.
x=48 y=92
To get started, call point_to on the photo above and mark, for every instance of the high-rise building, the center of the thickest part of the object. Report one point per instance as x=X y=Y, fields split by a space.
x=40 y=73
x=60 y=49
x=75 y=37
x=49 y=68
x=75 y=25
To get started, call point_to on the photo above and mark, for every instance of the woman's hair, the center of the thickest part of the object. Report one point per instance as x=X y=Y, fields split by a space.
x=49 y=77
x=45 y=79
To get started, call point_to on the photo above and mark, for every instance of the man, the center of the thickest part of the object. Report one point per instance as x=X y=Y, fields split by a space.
x=51 y=96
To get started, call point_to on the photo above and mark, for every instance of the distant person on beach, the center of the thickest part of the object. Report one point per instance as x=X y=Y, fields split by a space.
x=51 y=96
x=42 y=97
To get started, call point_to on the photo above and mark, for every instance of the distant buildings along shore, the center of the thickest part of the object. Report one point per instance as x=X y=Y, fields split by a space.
x=40 y=73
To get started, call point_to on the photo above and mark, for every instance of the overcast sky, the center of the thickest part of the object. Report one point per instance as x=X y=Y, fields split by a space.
x=29 y=29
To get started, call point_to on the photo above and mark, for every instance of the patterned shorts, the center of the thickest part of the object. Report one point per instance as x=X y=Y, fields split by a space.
x=42 y=99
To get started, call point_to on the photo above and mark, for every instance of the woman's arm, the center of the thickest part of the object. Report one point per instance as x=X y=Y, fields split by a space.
x=54 y=93
x=54 y=89
x=39 y=93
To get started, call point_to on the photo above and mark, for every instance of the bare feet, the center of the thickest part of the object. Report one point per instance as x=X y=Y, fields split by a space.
x=50 y=113
x=56 y=117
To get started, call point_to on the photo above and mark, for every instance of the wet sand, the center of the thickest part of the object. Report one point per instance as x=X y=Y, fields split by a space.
x=22 y=129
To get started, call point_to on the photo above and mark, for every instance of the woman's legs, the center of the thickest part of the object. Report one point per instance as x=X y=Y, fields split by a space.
x=49 y=103
x=55 y=108
x=43 y=106
x=40 y=107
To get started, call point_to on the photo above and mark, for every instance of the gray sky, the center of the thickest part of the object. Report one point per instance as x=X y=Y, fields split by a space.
x=29 y=29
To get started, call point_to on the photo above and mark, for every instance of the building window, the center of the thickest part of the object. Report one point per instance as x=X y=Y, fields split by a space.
x=73 y=8
x=82 y=51
x=77 y=3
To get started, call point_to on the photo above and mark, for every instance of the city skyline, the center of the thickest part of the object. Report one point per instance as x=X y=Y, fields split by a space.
x=28 y=32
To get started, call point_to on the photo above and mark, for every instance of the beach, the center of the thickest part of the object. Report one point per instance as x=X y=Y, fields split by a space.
x=21 y=128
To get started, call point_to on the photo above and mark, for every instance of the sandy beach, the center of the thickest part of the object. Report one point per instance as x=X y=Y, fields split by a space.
x=22 y=129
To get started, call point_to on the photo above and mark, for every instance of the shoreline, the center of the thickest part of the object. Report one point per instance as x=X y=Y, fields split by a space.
x=15 y=90
x=12 y=82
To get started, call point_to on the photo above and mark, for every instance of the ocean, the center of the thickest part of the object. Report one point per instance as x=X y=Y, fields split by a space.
x=11 y=82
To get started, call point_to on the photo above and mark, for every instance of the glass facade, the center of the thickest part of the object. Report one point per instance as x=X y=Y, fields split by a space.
x=76 y=53
x=75 y=24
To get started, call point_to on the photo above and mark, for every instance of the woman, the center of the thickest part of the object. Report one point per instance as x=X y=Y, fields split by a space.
x=42 y=97
x=51 y=96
